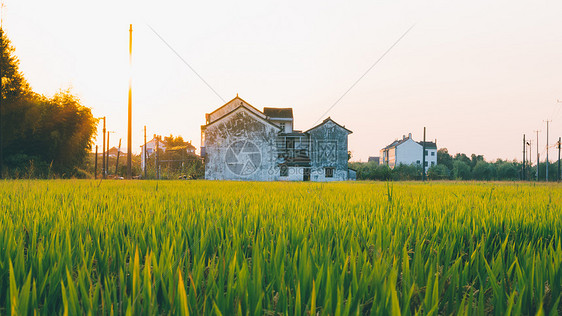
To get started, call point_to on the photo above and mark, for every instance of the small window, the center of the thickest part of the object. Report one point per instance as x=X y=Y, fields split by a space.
x=329 y=172
x=284 y=171
x=425 y=152
x=282 y=125
x=433 y=163
x=290 y=143
x=426 y=164
x=433 y=153
x=418 y=162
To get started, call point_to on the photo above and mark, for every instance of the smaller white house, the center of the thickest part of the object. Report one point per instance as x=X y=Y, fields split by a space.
x=407 y=151
x=151 y=148
x=157 y=141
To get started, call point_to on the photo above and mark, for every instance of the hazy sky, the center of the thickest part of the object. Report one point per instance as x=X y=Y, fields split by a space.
x=477 y=74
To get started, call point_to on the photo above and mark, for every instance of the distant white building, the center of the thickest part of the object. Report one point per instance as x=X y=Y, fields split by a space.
x=162 y=145
x=407 y=151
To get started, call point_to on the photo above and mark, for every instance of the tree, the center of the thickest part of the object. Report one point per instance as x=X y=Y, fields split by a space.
x=474 y=159
x=462 y=157
x=444 y=158
x=483 y=171
x=40 y=134
x=506 y=170
x=461 y=170
x=438 y=172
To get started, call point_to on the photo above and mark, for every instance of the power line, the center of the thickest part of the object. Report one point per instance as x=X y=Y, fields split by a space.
x=364 y=74
x=187 y=64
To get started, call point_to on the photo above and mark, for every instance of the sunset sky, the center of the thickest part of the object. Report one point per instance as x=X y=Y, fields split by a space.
x=477 y=74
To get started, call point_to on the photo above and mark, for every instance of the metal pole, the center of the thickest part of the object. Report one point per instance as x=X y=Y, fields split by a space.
x=96 y=164
x=538 y=160
x=524 y=144
x=144 y=152
x=117 y=162
x=103 y=152
x=129 y=126
x=107 y=155
x=559 y=145
x=157 y=158
x=547 y=150
x=423 y=156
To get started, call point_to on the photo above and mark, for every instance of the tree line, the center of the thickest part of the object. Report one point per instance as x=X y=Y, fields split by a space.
x=40 y=136
x=457 y=167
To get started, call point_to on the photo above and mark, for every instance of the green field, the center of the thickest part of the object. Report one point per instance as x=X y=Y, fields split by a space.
x=202 y=247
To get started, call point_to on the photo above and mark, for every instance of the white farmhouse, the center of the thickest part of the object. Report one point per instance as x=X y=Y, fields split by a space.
x=163 y=146
x=407 y=151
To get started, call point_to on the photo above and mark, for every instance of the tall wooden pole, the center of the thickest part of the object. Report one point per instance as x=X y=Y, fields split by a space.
x=423 y=156
x=96 y=164
x=117 y=162
x=559 y=145
x=144 y=152
x=129 y=126
x=547 y=121
x=538 y=158
x=107 y=155
x=524 y=146
x=103 y=152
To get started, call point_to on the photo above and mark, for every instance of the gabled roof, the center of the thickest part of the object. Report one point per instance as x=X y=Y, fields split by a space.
x=429 y=145
x=329 y=120
x=236 y=97
x=249 y=111
x=396 y=143
x=160 y=142
x=278 y=112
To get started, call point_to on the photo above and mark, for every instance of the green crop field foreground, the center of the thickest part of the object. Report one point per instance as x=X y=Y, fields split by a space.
x=170 y=247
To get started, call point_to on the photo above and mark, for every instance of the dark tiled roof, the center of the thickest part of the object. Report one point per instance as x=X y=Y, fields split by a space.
x=328 y=120
x=395 y=143
x=429 y=145
x=278 y=112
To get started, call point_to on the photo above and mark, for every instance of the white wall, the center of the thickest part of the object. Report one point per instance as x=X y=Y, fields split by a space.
x=409 y=152
x=288 y=124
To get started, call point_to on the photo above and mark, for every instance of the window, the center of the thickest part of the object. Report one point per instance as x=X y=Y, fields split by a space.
x=433 y=153
x=433 y=163
x=425 y=152
x=329 y=172
x=290 y=143
x=418 y=162
x=282 y=125
x=284 y=171
x=426 y=164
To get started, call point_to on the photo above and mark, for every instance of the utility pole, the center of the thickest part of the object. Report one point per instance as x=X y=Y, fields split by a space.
x=129 y=126
x=117 y=162
x=96 y=164
x=157 y=157
x=423 y=156
x=144 y=152
x=107 y=155
x=547 y=121
x=524 y=146
x=559 y=145
x=538 y=161
x=103 y=152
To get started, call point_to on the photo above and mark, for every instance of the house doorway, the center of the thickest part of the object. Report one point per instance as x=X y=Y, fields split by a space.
x=306 y=174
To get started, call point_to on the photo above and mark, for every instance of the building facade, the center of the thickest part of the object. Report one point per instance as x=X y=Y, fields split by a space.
x=239 y=142
x=407 y=151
